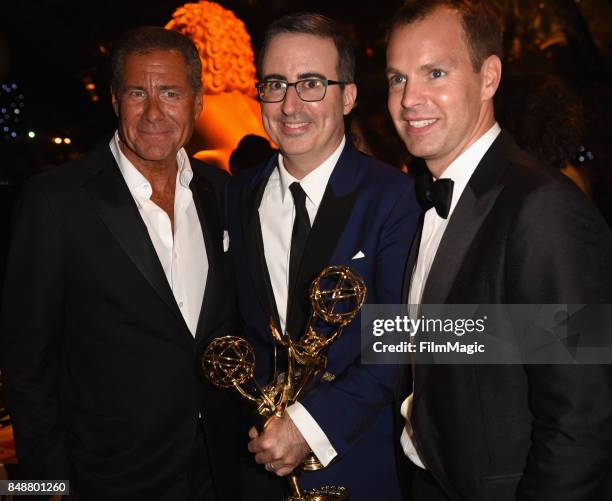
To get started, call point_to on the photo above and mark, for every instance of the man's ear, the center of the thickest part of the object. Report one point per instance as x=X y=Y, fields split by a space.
x=115 y=102
x=198 y=105
x=349 y=96
x=491 y=72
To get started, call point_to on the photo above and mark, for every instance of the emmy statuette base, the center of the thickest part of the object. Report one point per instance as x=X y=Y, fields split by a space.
x=325 y=493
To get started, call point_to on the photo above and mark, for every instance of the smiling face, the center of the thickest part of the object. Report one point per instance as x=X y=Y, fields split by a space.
x=156 y=107
x=438 y=103
x=306 y=133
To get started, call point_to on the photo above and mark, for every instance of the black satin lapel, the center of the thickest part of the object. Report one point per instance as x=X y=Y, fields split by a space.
x=116 y=207
x=474 y=205
x=208 y=214
x=255 y=249
x=329 y=224
x=465 y=221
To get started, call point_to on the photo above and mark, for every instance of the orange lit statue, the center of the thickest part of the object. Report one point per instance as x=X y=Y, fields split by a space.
x=231 y=110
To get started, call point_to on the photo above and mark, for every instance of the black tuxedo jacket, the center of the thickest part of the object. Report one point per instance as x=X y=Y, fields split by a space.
x=519 y=234
x=101 y=372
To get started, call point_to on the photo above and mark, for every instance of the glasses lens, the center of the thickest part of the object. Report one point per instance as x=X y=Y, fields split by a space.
x=312 y=89
x=272 y=90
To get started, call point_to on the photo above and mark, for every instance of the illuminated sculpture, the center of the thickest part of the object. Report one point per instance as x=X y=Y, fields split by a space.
x=7 y=445
x=231 y=110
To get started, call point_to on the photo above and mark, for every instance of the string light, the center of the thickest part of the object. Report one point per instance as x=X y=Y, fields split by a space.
x=12 y=104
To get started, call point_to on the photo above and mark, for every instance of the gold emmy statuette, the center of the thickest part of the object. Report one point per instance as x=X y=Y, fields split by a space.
x=336 y=296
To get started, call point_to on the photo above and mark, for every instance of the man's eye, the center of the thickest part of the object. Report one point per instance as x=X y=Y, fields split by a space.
x=136 y=93
x=313 y=84
x=437 y=73
x=171 y=94
x=274 y=85
x=397 y=80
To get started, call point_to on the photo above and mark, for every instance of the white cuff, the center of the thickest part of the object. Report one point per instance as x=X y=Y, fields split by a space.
x=406 y=439
x=313 y=434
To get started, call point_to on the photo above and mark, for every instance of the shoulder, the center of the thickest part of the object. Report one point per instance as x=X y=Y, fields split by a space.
x=63 y=180
x=251 y=177
x=379 y=177
x=530 y=182
x=548 y=203
x=519 y=178
x=214 y=175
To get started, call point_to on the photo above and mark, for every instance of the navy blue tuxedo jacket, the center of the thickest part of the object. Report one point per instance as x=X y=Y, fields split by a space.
x=367 y=207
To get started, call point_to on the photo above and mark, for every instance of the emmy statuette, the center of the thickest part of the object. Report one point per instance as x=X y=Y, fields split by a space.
x=336 y=297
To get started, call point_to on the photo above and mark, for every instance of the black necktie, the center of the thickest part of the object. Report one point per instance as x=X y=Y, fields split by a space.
x=301 y=228
x=438 y=194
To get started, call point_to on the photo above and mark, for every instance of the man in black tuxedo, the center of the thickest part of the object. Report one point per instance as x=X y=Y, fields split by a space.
x=501 y=230
x=116 y=279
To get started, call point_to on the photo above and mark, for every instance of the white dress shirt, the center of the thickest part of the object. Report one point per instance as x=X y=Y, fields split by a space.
x=182 y=254
x=276 y=215
x=460 y=171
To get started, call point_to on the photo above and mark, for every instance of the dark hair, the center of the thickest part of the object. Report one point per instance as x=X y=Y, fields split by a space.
x=318 y=25
x=251 y=150
x=482 y=26
x=147 y=39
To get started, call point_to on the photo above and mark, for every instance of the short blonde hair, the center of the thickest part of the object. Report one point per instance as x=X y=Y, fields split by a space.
x=223 y=43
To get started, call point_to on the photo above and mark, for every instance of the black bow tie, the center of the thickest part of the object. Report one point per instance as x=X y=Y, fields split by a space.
x=438 y=194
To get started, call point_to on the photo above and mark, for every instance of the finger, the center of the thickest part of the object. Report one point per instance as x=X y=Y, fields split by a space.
x=255 y=446
x=259 y=444
x=271 y=420
x=253 y=433
x=264 y=457
x=283 y=471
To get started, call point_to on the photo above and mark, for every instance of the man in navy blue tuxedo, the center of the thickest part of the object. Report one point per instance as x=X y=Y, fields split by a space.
x=316 y=203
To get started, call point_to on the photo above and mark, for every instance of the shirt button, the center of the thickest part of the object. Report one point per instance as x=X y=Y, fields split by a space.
x=180 y=304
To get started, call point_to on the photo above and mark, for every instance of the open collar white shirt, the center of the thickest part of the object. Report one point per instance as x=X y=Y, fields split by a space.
x=460 y=171
x=182 y=254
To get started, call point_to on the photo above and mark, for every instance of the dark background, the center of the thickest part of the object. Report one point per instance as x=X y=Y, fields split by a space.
x=51 y=50
x=54 y=71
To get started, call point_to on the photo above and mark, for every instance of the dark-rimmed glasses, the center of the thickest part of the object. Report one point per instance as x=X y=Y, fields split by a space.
x=308 y=89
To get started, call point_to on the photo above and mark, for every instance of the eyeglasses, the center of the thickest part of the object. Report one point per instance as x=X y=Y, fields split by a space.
x=309 y=89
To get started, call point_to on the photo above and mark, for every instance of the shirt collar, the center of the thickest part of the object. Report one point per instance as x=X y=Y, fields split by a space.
x=139 y=186
x=315 y=182
x=462 y=168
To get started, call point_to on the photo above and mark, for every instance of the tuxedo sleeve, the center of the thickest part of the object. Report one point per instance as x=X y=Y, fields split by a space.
x=562 y=253
x=347 y=406
x=30 y=335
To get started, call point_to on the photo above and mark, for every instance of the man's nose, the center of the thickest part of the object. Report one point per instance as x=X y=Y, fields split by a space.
x=413 y=94
x=292 y=102
x=153 y=110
